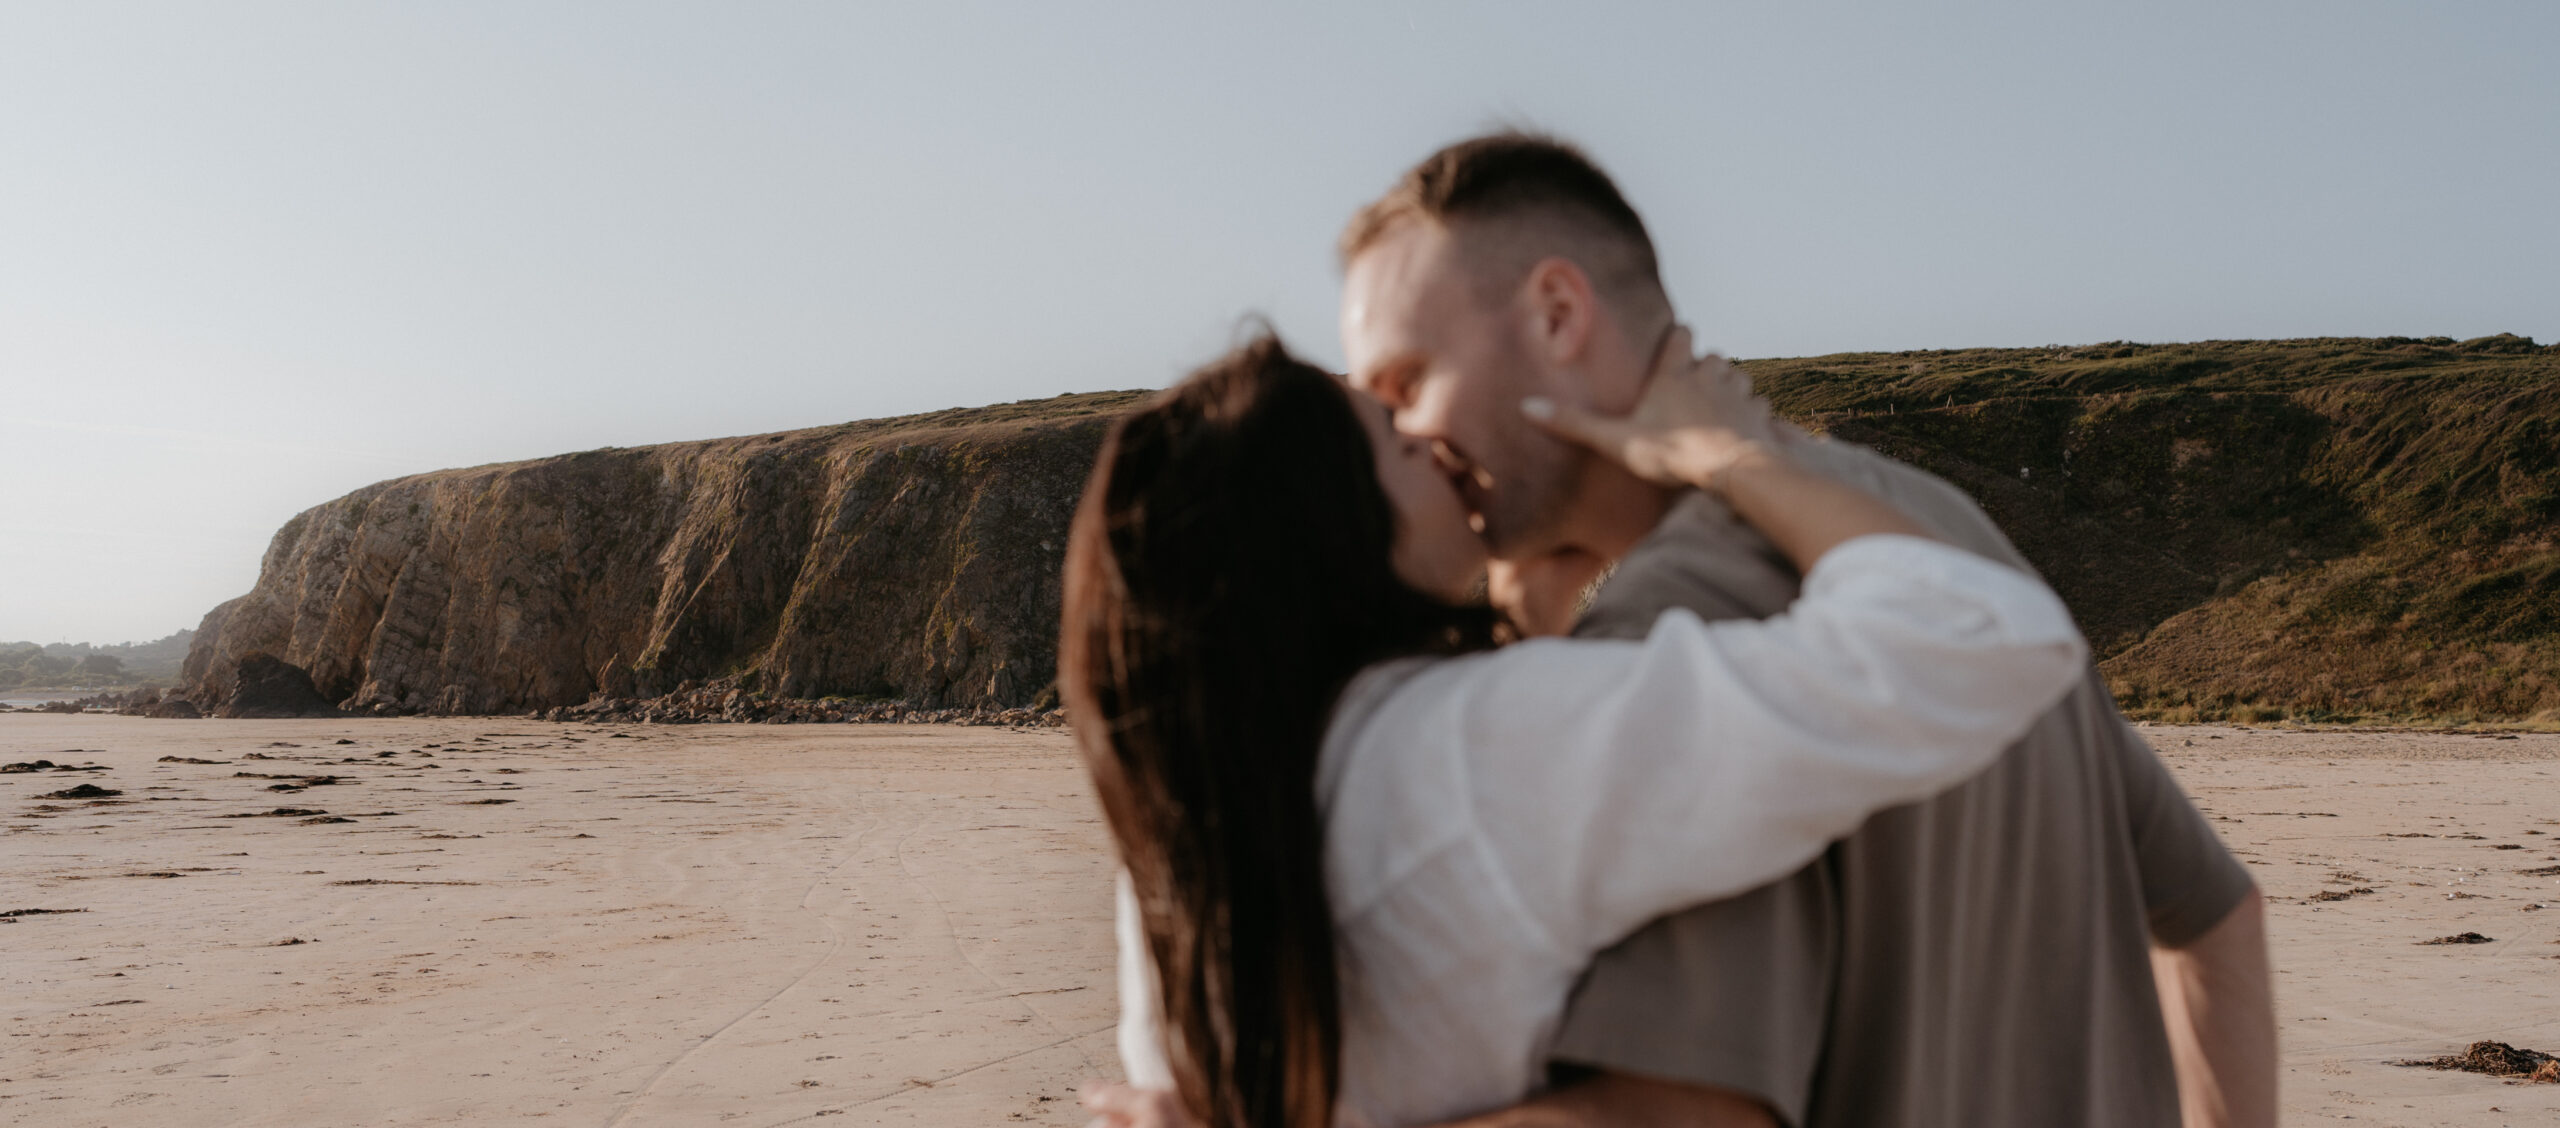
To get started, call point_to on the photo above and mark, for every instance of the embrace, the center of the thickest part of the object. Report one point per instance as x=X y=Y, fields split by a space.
x=1531 y=729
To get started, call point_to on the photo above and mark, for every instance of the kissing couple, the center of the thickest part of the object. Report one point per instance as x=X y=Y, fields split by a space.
x=1812 y=812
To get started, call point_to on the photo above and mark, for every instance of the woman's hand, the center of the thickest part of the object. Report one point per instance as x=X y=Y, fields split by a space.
x=1699 y=425
x=1697 y=418
x=1127 y=1106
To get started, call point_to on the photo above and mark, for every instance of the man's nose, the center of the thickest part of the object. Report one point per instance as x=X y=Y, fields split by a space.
x=1421 y=415
x=1393 y=388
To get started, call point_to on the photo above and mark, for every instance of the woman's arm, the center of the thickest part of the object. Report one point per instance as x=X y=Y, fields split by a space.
x=1617 y=1100
x=1614 y=781
x=1698 y=425
x=1141 y=1036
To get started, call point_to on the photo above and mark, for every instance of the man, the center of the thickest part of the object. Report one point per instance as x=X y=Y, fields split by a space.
x=2061 y=941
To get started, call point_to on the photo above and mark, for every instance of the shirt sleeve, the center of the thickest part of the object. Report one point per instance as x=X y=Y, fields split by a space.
x=2190 y=879
x=1905 y=668
x=1142 y=1057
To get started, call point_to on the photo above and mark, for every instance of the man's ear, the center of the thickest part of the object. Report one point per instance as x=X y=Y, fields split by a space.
x=1563 y=311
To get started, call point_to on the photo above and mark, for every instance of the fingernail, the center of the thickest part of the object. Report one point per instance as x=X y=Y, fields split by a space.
x=1538 y=407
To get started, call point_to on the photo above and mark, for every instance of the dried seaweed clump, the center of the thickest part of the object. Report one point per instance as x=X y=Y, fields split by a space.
x=2496 y=1059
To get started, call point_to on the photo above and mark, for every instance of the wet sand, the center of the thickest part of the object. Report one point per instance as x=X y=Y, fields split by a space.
x=768 y=925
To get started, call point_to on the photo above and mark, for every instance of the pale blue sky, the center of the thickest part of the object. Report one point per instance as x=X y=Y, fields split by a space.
x=253 y=255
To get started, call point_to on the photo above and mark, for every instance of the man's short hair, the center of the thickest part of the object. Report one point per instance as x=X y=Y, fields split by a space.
x=1538 y=185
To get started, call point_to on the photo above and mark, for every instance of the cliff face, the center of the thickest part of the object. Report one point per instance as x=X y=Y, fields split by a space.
x=912 y=558
x=2319 y=529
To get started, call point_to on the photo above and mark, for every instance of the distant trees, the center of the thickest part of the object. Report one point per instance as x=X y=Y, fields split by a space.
x=23 y=664
x=83 y=666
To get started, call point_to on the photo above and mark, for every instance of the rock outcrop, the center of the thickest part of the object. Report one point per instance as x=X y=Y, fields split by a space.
x=267 y=687
x=911 y=559
x=152 y=701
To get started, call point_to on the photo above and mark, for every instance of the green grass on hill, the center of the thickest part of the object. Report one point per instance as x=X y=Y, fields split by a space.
x=2315 y=530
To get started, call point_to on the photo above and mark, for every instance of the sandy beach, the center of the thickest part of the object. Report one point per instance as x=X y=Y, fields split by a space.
x=681 y=925
x=433 y=921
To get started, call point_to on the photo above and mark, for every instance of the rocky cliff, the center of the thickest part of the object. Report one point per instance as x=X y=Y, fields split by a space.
x=2320 y=529
x=911 y=558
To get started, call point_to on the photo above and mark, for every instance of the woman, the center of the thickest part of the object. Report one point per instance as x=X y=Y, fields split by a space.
x=1366 y=854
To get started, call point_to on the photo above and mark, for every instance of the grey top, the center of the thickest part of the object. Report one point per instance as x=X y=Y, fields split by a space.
x=1981 y=958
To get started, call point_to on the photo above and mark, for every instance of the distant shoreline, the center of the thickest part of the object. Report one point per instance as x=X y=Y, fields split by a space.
x=21 y=696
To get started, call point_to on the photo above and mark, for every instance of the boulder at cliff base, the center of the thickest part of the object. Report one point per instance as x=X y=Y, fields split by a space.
x=269 y=687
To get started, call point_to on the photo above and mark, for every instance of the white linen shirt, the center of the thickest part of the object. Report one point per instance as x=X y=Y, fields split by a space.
x=1493 y=821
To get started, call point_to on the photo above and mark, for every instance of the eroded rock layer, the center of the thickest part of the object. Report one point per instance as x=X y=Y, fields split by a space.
x=913 y=559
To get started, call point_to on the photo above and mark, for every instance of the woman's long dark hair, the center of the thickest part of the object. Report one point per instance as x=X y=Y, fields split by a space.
x=1229 y=570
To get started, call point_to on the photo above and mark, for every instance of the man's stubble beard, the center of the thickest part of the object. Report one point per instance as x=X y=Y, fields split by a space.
x=1529 y=510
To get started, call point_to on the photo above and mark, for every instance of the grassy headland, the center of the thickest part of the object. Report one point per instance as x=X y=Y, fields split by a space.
x=2320 y=530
